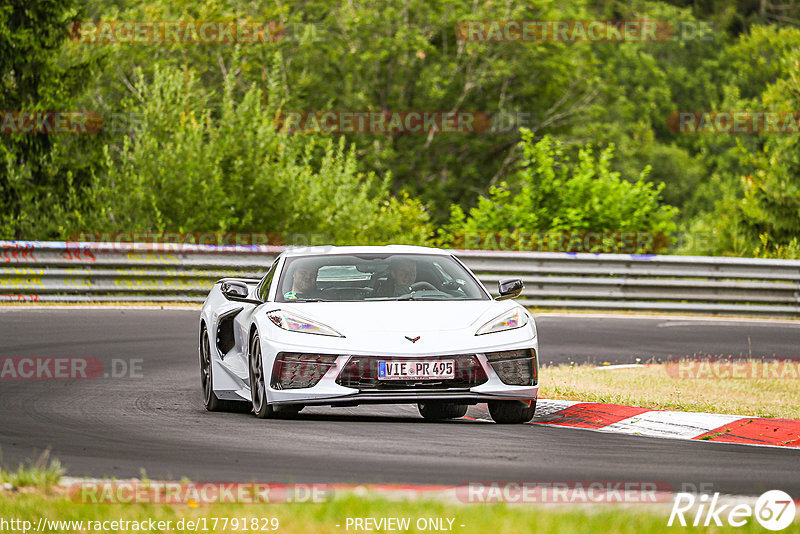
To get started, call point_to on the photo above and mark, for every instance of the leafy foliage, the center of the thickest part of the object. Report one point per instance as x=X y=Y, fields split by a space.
x=553 y=193
x=42 y=177
x=187 y=170
x=761 y=217
x=201 y=153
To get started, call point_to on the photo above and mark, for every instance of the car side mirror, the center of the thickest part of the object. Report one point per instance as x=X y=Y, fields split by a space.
x=509 y=288
x=237 y=291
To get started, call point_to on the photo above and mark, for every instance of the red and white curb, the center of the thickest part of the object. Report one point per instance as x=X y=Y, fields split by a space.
x=669 y=424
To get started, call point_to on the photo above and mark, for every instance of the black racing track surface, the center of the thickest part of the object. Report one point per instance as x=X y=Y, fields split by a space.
x=157 y=423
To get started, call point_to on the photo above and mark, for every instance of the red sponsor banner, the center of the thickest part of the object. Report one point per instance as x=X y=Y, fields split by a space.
x=176 y=32
x=383 y=122
x=566 y=492
x=566 y=31
x=197 y=493
x=734 y=122
x=727 y=368
x=50 y=122
x=50 y=368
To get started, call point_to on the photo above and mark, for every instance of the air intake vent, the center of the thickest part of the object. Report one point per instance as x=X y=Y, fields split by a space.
x=361 y=372
x=225 y=339
x=514 y=367
x=294 y=370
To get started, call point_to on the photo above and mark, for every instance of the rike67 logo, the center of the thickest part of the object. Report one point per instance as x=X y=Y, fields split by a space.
x=774 y=510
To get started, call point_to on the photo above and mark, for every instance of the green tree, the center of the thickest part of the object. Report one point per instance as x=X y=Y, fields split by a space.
x=757 y=212
x=188 y=170
x=552 y=193
x=42 y=177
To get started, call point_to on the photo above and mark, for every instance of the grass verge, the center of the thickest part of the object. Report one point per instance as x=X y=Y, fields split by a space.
x=658 y=386
x=32 y=500
x=41 y=474
x=331 y=517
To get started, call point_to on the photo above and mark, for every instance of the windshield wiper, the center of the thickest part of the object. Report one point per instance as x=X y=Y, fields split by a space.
x=310 y=300
x=409 y=297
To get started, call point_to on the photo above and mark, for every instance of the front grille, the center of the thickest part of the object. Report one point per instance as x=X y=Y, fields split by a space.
x=294 y=370
x=514 y=367
x=361 y=372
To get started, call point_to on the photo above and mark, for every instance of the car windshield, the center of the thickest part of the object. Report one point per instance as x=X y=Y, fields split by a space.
x=376 y=277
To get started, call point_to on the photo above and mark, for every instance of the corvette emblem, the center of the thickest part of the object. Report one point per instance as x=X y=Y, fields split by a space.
x=412 y=339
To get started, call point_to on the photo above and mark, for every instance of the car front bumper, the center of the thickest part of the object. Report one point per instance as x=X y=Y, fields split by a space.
x=328 y=392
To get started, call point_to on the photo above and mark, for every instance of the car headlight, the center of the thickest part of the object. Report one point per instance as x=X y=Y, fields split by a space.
x=509 y=320
x=297 y=323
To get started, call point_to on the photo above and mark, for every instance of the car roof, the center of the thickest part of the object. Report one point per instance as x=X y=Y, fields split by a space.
x=323 y=250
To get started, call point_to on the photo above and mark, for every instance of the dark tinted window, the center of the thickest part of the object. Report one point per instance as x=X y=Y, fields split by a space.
x=374 y=277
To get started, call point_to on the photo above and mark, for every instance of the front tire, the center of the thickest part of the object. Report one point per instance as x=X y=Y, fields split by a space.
x=210 y=399
x=258 y=387
x=512 y=412
x=437 y=411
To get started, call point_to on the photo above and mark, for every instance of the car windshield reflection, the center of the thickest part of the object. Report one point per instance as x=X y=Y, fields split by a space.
x=376 y=277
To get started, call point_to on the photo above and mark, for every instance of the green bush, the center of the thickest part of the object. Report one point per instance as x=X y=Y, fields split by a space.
x=554 y=194
x=761 y=217
x=189 y=168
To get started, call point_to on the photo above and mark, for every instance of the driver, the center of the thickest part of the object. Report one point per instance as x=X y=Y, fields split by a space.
x=402 y=273
x=304 y=283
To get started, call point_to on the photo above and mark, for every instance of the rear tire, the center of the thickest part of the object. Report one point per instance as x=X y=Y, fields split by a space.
x=210 y=399
x=258 y=387
x=437 y=411
x=512 y=412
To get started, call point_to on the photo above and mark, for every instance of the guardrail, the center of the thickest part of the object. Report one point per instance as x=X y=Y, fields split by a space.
x=141 y=272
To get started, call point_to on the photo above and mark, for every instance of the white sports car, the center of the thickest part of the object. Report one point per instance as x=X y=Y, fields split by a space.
x=342 y=326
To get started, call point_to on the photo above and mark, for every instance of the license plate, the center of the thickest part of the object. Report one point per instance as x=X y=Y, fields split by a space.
x=416 y=369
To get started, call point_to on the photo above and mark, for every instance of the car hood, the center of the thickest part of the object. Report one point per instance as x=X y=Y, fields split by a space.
x=401 y=316
x=390 y=327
